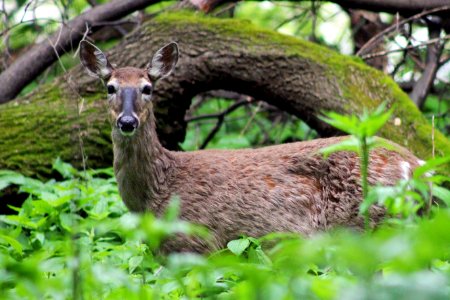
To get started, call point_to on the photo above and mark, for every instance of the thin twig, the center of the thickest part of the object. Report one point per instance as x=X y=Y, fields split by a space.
x=382 y=53
x=223 y=113
x=424 y=83
x=220 y=119
x=293 y=18
x=86 y=32
x=374 y=40
x=114 y=23
x=252 y=117
x=430 y=201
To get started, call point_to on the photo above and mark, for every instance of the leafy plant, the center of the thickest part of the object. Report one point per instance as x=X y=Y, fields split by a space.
x=74 y=239
x=408 y=196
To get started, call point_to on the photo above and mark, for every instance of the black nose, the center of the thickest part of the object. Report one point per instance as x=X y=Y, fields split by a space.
x=127 y=123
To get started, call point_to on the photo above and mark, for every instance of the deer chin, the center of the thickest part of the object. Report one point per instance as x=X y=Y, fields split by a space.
x=118 y=132
x=127 y=133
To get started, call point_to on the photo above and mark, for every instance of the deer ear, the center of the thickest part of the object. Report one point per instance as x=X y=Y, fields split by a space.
x=163 y=62
x=94 y=60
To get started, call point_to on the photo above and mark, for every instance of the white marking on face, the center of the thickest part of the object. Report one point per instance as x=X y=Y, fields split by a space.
x=406 y=169
x=142 y=85
x=115 y=84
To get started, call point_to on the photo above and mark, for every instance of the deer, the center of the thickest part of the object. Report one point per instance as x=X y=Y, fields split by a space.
x=252 y=192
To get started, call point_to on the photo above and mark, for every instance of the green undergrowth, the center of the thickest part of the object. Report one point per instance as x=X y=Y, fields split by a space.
x=74 y=239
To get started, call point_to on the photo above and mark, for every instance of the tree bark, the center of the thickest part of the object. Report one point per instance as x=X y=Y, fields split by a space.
x=294 y=75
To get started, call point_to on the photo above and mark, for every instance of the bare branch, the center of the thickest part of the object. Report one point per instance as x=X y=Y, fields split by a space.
x=374 y=40
x=404 y=7
x=42 y=55
x=223 y=113
x=220 y=119
x=431 y=41
x=421 y=88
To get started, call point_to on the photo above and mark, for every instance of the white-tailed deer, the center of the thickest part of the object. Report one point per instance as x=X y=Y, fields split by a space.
x=283 y=188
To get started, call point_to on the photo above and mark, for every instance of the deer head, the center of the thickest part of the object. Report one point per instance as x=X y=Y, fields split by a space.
x=129 y=89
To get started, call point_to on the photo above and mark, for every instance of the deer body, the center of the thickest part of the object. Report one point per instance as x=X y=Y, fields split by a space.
x=283 y=188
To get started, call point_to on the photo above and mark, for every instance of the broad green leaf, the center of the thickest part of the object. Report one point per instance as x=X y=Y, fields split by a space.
x=238 y=246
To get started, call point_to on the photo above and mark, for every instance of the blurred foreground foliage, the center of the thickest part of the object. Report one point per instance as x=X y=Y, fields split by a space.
x=74 y=239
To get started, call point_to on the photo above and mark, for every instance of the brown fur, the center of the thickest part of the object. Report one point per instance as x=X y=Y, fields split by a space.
x=283 y=188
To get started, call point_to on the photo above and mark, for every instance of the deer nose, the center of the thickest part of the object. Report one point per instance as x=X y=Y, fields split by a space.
x=127 y=124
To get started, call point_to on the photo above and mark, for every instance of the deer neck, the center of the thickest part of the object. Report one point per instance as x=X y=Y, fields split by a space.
x=143 y=168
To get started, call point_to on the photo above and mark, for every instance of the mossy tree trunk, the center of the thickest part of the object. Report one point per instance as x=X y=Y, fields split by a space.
x=302 y=78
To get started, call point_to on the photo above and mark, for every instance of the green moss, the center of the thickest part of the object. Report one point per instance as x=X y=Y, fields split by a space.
x=46 y=126
x=251 y=36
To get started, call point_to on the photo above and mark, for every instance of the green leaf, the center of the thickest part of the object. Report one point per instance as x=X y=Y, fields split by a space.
x=12 y=242
x=431 y=165
x=257 y=255
x=348 y=124
x=173 y=209
x=10 y=177
x=350 y=144
x=375 y=122
x=238 y=246
x=442 y=193
x=66 y=221
x=65 y=169
x=134 y=262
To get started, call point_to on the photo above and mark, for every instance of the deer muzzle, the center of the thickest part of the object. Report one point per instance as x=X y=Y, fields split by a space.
x=128 y=122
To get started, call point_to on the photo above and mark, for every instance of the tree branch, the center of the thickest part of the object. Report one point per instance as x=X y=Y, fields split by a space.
x=393 y=28
x=404 y=7
x=291 y=76
x=222 y=114
x=433 y=41
x=422 y=86
x=29 y=65
x=220 y=119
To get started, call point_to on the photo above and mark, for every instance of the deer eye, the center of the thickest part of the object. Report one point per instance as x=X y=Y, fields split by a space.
x=111 y=89
x=147 y=90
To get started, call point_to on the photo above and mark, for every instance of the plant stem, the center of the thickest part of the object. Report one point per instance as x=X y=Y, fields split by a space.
x=364 y=156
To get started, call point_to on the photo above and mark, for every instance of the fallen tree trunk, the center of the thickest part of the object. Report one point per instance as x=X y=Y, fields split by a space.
x=68 y=117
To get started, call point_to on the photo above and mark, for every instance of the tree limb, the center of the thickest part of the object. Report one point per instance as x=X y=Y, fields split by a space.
x=301 y=78
x=404 y=7
x=423 y=85
x=380 y=36
x=29 y=65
